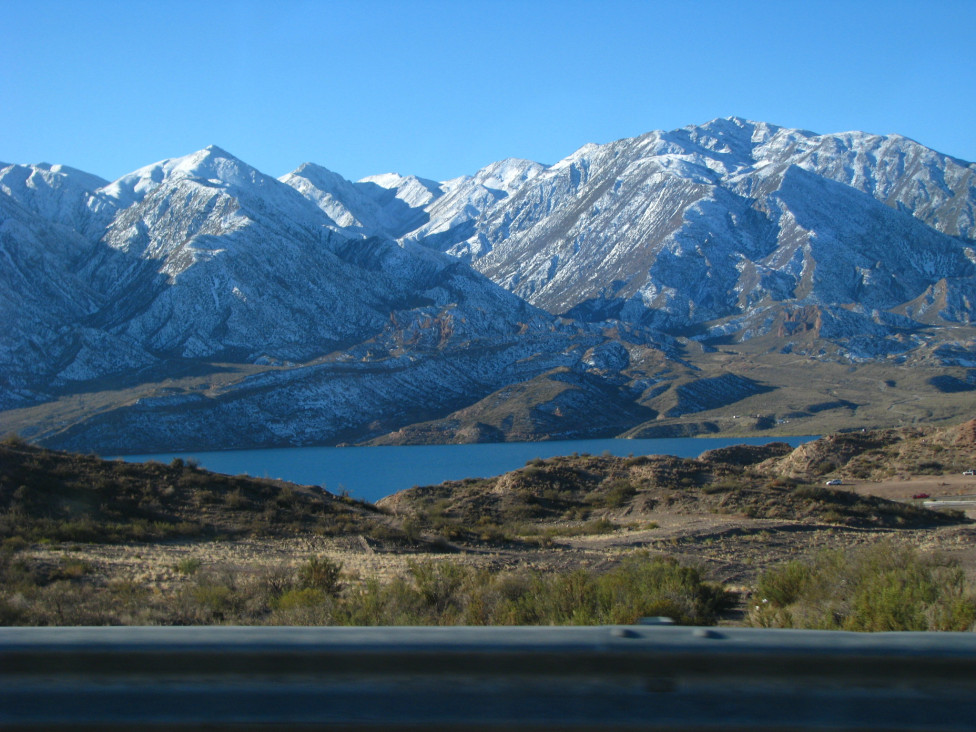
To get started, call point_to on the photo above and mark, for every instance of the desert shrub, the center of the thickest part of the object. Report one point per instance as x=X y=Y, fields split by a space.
x=881 y=588
x=441 y=587
x=12 y=610
x=576 y=513
x=617 y=494
x=13 y=544
x=599 y=526
x=235 y=500
x=12 y=439
x=491 y=533
x=446 y=593
x=215 y=597
x=639 y=587
x=823 y=467
x=188 y=565
x=302 y=607
x=71 y=569
x=411 y=529
x=396 y=602
x=644 y=587
x=785 y=585
x=215 y=601
x=429 y=593
x=303 y=597
x=321 y=574
x=593 y=527
x=724 y=485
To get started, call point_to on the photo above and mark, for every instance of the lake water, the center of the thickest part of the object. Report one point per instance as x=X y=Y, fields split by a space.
x=371 y=473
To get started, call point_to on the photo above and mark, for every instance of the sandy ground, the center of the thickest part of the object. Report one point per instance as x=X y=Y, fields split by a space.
x=903 y=488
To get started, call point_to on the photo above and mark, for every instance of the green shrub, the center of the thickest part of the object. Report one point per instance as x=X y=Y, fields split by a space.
x=618 y=493
x=599 y=526
x=430 y=593
x=189 y=565
x=322 y=574
x=786 y=584
x=13 y=544
x=881 y=588
x=72 y=569
x=299 y=598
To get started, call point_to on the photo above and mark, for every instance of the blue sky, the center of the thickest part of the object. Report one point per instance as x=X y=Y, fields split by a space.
x=440 y=89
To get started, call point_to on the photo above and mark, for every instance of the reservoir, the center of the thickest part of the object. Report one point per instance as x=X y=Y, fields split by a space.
x=370 y=473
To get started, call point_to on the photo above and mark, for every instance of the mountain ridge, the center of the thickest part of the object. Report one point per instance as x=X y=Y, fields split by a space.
x=678 y=252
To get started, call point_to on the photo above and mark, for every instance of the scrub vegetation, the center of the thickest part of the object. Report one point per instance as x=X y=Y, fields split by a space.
x=317 y=593
x=885 y=587
x=741 y=535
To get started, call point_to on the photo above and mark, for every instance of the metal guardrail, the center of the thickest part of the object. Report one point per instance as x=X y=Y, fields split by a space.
x=593 y=678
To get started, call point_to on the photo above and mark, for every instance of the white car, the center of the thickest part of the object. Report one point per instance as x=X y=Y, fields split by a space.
x=835 y=481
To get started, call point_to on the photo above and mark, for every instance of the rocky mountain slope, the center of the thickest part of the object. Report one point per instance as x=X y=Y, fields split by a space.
x=728 y=229
x=645 y=285
x=711 y=229
x=204 y=265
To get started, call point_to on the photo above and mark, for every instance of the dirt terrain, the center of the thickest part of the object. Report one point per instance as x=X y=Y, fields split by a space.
x=734 y=513
x=733 y=550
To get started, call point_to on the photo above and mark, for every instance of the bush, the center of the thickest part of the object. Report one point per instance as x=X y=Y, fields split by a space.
x=618 y=493
x=322 y=574
x=430 y=593
x=189 y=565
x=882 y=588
x=299 y=598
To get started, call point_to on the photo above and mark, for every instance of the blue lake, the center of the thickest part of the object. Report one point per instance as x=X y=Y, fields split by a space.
x=371 y=473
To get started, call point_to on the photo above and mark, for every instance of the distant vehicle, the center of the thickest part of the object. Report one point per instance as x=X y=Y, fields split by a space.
x=835 y=481
x=919 y=496
x=969 y=472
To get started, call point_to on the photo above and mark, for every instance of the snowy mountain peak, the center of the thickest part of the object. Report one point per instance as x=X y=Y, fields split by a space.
x=211 y=165
x=57 y=192
x=52 y=176
x=582 y=153
x=508 y=174
x=336 y=196
x=848 y=246
x=413 y=191
x=313 y=171
x=78 y=177
x=646 y=229
x=217 y=166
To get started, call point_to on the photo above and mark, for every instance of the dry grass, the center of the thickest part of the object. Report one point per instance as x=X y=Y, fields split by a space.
x=252 y=545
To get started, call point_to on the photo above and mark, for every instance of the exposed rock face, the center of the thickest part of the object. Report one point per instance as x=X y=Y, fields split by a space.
x=732 y=228
x=211 y=305
x=204 y=260
x=689 y=227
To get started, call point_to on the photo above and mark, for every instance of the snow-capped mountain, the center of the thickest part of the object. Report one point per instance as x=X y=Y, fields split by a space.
x=682 y=229
x=413 y=208
x=707 y=229
x=381 y=205
x=212 y=305
x=203 y=260
x=453 y=216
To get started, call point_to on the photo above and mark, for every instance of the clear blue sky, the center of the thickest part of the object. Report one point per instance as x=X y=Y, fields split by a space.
x=440 y=88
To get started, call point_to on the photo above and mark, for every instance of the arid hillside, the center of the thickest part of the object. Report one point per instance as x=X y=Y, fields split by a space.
x=156 y=543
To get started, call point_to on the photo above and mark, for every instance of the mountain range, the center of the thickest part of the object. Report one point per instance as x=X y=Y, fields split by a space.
x=728 y=277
